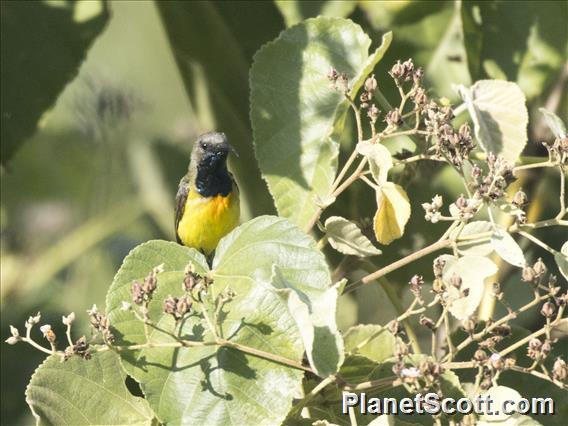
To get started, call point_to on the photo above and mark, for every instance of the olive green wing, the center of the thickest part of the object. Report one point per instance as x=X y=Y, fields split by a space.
x=181 y=198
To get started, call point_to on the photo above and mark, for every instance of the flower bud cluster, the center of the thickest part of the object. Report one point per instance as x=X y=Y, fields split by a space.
x=536 y=273
x=178 y=307
x=195 y=285
x=455 y=146
x=100 y=323
x=368 y=89
x=465 y=208
x=338 y=81
x=406 y=71
x=493 y=185
x=142 y=291
x=416 y=283
x=558 y=150
x=538 y=350
x=432 y=209
x=80 y=348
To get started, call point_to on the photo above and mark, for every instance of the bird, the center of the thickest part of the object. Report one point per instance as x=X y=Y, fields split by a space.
x=207 y=200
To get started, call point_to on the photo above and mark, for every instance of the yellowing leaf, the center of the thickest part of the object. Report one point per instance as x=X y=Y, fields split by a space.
x=380 y=160
x=393 y=211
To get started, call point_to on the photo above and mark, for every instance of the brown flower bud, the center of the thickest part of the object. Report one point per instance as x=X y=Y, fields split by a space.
x=190 y=280
x=371 y=84
x=502 y=330
x=427 y=322
x=137 y=293
x=394 y=327
x=559 y=370
x=548 y=309
x=497 y=361
x=373 y=113
x=520 y=199
x=397 y=70
x=393 y=118
x=539 y=267
x=438 y=267
x=496 y=288
x=418 y=75
x=419 y=97
x=528 y=275
x=546 y=348
x=332 y=74
x=416 y=283
x=480 y=355
x=169 y=305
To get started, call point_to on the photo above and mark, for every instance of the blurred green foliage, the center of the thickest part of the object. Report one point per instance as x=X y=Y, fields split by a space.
x=103 y=153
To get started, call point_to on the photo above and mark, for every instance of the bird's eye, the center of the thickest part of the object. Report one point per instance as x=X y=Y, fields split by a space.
x=203 y=145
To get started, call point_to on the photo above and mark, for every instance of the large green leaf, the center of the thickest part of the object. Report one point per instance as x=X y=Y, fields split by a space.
x=81 y=392
x=43 y=44
x=213 y=385
x=295 y=11
x=213 y=43
x=274 y=253
x=520 y=41
x=499 y=114
x=296 y=116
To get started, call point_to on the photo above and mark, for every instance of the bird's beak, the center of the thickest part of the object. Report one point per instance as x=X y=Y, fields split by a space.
x=230 y=148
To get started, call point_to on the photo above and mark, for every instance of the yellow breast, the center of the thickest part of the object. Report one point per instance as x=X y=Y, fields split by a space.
x=208 y=219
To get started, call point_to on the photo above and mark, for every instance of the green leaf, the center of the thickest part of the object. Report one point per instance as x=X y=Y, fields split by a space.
x=346 y=237
x=315 y=319
x=380 y=160
x=218 y=97
x=499 y=114
x=371 y=341
x=526 y=42
x=296 y=116
x=81 y=392
x=473 y=247
x=554 y=123
x=393 y=212
x=295 y=11
x=561 y=259
x=472 y=270
x=220 y=385
x=290 y=261
x=507 y=248
x=206 y=385
x=43 y=45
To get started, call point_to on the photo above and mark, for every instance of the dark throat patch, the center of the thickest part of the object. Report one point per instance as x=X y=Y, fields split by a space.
x=212 y=176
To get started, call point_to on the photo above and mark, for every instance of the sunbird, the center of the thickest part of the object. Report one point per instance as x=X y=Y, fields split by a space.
x=207 y=201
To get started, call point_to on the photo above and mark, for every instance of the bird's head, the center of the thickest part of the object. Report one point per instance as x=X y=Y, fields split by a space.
x=211 y=150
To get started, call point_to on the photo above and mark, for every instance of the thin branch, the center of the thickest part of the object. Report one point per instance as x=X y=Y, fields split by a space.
x=438 y=245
